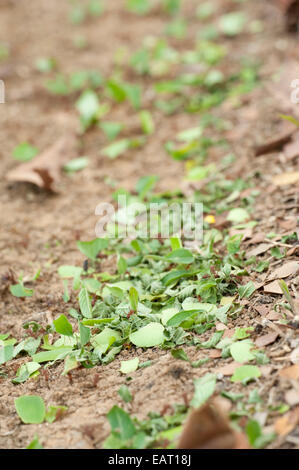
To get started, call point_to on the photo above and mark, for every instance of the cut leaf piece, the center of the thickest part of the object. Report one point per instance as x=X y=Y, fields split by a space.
x=148 y=336
x=31 y=409
x=85 y=303
x=129 y=366
x=92 y=248
x=246 y=373
x=240 y=351
x=180 y=256
x=179 y=317
x=25 y=152
x=53 y=355
x=121 y=423
x=238 y=215
x=63 y=326
x=6 y=353
x=204 y=388
x=25 y=371
x=18 y=290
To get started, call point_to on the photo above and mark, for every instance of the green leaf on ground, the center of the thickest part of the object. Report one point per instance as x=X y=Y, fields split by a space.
x=204 y=388
x=31 y=409
x=148 y=336
x=63 y=326
x=129 y=366
x=245 y=374
x=92 y=248
x=25 y=152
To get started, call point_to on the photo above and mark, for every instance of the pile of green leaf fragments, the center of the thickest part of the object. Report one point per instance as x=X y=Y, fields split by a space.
x=159 y=292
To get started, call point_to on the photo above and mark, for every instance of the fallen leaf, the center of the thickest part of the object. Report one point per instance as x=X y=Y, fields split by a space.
x=45 y=170
x=287 y=423
x=229 y=333
x=261 y=309
x=291 y=150
x=286 y=178
x=257 y=238
x=273 y=315
x=221 y=221
x=273 y=288
x=266 y=339
x=291 y=372
x=288 y=269
x=214 y=353
x=292 y=251
x=228 y=369
x=292 y=397
x=290 y=9
x=208 y=427
x=277 y=141
x=258 y=250
x=246 y=233
x=288 y=224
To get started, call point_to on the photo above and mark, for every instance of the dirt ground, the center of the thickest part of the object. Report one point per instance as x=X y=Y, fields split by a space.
x=39 y=230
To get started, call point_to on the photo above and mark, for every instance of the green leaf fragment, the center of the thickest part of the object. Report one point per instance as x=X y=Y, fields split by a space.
x=85 y=303
x=148 y=336
x=245 y=374
x=125 y=394
x=204 y=388
x=92 y=248
x=63 y=326
x=129 y=366
x=31 y=409
x=121 y=423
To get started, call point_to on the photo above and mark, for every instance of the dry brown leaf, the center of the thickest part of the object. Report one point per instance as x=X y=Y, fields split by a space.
x=208 y=427
x=292 y=397
x=266 y=339
x=290 y=8
x=261 y=309
x=221 y=221
x=292 y=251
x=291 y=150
x=214 y=353
x=45 y=170
x=277 y=141
x=288 y=224
x=273 y=288
x=287 y=423
x=257 y=238
x=273 y=315
x=262 y=248
x=288 y=269
x=228 y=369
x=229 y=333
x=246 y=233
x=286 y=178
x=291 y=372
